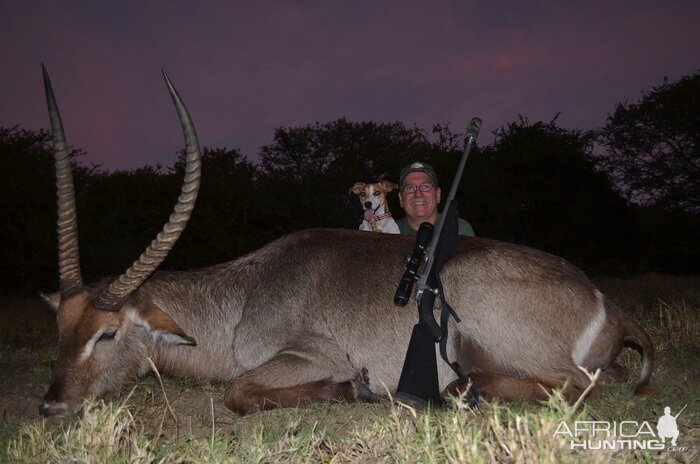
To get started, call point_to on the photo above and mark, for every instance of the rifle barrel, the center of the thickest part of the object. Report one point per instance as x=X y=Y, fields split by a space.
x=472 y=133
x=679 y=412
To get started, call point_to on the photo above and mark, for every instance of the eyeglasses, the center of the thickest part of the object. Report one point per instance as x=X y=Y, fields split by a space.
x=411 y=188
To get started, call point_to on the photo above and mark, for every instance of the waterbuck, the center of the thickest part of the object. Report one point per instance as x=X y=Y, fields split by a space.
x=310 y=316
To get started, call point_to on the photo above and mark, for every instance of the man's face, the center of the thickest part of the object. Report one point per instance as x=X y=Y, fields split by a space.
x=419 y=205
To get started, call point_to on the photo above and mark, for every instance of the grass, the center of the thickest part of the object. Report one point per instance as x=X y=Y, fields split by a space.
x=111 y=433
x=140 y=428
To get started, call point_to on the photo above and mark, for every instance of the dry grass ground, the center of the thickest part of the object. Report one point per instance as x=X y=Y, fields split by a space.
x=141 y=427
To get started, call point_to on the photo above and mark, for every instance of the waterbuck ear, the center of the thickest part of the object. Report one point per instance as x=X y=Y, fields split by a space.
x=161 y=327
x=52 y=299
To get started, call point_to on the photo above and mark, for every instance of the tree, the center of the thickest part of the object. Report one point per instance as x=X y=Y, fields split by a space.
x=653 y=146
x=537 y=185
x=28 y=204
x=307 y=171
x=227 y=219
x=119 y=214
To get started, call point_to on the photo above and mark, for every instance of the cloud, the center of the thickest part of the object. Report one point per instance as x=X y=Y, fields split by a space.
x=245 y=70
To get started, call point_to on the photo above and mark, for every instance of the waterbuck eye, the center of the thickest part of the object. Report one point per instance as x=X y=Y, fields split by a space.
x=108 y=335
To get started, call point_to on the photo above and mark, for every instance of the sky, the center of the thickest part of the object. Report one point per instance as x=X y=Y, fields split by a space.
x=247 y=68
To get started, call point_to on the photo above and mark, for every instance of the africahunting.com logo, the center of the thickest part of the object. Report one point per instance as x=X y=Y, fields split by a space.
x=623 y=435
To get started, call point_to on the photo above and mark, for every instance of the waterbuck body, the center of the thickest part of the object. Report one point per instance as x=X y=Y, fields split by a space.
x=311 y=317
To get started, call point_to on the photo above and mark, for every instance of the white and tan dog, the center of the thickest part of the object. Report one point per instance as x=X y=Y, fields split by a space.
x=376 y=216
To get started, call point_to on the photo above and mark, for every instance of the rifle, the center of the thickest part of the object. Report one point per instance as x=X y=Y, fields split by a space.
x=679 y=412
x=418 y=384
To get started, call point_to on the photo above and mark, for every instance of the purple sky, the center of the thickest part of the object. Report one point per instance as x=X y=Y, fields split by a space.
x=245 y=70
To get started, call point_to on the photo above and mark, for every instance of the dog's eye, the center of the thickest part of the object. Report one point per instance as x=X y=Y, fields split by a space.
x=376 y=193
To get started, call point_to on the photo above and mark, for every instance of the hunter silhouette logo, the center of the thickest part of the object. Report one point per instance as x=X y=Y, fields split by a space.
x=667 y=427
x=626 y=434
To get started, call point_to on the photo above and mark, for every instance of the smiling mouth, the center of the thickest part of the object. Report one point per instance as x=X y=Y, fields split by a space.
x=419 y=202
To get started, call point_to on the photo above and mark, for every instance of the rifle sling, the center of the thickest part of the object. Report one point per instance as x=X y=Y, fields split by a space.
x=445 y=312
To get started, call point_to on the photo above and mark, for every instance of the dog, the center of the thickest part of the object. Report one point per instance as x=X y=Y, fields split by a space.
x=376 y=216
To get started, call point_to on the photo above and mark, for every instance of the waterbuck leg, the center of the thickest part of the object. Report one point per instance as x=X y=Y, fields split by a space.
x=490 y=385
x=272 y=385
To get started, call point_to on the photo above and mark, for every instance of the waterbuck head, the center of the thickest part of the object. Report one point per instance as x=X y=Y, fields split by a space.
x=103 y=328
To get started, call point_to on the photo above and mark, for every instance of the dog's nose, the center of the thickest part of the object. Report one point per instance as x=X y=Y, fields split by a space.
x=368 y=205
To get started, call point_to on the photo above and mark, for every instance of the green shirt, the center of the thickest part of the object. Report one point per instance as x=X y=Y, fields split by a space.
x=465 y=228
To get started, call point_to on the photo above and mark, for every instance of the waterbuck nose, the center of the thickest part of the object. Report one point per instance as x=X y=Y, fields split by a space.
x=368 y=205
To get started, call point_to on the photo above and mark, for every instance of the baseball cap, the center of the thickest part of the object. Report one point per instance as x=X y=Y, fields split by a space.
x=418 y=167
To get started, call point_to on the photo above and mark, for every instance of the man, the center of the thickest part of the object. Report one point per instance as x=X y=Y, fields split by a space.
x=667 y=426
x=419 y=196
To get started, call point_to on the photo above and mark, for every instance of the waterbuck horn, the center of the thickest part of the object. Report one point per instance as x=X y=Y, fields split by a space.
x=68 y=256
x=112 y=297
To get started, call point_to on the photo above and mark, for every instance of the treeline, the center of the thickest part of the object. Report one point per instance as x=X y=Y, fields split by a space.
x=589 y=196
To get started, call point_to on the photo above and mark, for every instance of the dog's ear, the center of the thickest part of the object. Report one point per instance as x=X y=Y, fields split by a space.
x=388 y=186
x=357 y=188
